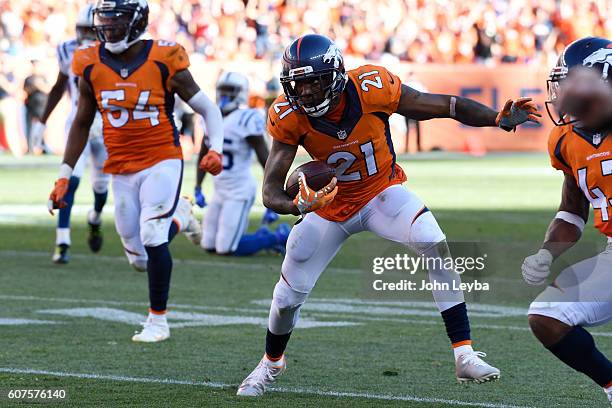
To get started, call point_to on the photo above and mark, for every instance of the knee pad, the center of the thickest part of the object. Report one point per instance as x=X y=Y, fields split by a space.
x=425 y=233
x=284 y=311
x=154 y=232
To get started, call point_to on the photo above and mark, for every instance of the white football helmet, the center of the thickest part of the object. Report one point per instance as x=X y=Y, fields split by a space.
x=85 y=25
x=232 y=91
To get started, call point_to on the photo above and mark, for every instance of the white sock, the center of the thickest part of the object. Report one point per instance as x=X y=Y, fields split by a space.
x=608 y=390
x=461 y=350
x=94 y=217
x=62 y=236
x=157 y=318
x=274 y=363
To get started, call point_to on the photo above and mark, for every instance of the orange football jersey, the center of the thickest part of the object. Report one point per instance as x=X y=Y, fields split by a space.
x=587 y=157
x=359 y=146
x=135 y=101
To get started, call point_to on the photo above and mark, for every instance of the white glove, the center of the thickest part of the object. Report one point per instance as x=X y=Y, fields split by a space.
x=36 y=133
x=536 y=267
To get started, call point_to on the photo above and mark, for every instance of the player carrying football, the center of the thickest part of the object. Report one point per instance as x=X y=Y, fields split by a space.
x=580 y=146
x=132 y=83
x=342 y=118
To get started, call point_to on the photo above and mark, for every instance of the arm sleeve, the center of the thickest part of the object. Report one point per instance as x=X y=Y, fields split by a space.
x=62 y=60
x=253 y=124
x=212 y=116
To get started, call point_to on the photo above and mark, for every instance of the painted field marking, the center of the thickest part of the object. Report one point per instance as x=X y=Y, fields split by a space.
x=264 y=311
x=286 y=390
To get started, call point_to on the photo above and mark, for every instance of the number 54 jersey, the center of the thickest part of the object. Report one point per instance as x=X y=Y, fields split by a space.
x=359 y=145
x=588 y=158
x=135 y=101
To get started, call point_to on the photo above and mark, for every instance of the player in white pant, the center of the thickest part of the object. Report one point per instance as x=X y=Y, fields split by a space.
x=227 y=216
x=342 y=118
x=579 y=146
x=67 y=80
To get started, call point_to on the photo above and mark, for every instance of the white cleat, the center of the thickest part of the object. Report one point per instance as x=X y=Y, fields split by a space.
x=471 y=368
x=155 y=329
x=263 y=375
x=190 y=226
x=609 y=393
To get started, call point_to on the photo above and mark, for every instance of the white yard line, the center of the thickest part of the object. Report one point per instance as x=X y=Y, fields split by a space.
x=287 y=390
x=264 y=311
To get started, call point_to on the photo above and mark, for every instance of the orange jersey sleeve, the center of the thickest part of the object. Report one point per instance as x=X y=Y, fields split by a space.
x=83 y=56
x=379 y=89
x=172 y=55
x=557 y=148
x=284 y=123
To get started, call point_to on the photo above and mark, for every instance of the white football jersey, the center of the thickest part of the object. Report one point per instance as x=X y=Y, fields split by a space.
x=65 y=53
x=236 y=178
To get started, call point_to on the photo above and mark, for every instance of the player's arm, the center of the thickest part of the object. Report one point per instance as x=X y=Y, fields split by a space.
x=258 y=144
x=566 y=228
x=562 y=233
x=278 y=164
x=200 y=174
x=77 y=139
x=418 y=105
x=55 y=95
x=183 y=84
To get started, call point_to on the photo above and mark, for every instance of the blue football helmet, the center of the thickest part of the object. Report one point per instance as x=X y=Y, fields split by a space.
x=313 y=75
x=120 y=23
x=590 y=52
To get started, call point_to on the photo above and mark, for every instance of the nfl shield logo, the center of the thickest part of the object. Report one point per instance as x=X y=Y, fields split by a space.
x=342 y=134
x=597 y=139
x=124 y=73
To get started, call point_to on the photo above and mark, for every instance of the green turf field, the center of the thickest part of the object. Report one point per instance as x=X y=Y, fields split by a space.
x=69 y=326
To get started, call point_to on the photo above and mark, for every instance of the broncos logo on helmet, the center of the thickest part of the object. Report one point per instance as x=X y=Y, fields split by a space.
x=120 y=23
x=313 y=75
x=591 y=52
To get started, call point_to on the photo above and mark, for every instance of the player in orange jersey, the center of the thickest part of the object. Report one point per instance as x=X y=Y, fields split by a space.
x=342 y=118
x=581 y=147
x=132 y=83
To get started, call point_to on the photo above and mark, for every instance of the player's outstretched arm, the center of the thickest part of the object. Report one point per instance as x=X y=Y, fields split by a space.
x=418 y=105
x=278 y=164
x=183 y=84
x=562 y=233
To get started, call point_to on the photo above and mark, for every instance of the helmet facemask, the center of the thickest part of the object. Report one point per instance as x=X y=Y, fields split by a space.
x=229 y=98
x=119 y=27
x=313 y=94
x=553 y=85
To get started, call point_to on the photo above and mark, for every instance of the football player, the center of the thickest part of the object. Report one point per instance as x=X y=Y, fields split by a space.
x=342 y=118
x=132 y=83
x=579 y=146
x=67 y=80
x=227 y=217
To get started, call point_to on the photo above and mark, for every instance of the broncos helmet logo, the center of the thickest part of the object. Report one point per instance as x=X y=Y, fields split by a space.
x=601 y=56
x=333 y=54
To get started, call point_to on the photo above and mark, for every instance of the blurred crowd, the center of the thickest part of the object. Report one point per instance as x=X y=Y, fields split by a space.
x=420 y=31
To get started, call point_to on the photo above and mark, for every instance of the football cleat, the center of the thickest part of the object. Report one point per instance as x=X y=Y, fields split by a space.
x=471 y=368
x=155 y=329
x=609 y=394
x=95 y=238
x=263 y=375
x=282 y=233
x=61 y=254
x=190 y=226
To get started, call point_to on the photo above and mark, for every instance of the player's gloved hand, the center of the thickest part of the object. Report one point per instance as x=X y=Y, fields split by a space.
x=56 y=198
x=199 y=197
x=37 y=133
x=212 y=162
x=308 y=200
x=516 y=112
x=269 y=217
x=536 y=267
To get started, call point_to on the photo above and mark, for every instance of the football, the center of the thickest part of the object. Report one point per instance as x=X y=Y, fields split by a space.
x=318 y=175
